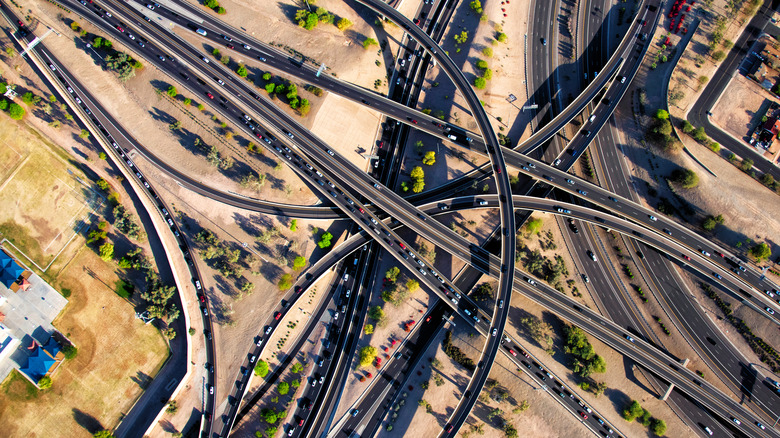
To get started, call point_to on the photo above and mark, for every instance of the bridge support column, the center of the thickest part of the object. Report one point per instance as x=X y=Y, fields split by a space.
x=671 y=385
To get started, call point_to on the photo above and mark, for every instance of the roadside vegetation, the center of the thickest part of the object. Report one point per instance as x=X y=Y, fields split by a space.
x=120 y=63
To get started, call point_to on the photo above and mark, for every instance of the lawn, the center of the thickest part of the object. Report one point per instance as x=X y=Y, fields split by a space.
x=44 y=201
x=117 y=356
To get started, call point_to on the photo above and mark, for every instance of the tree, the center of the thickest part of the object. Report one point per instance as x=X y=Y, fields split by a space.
x=283 y=388
x=768 y=179
x=368 y=329
x=242 y=71
x=172 y=407
x=367 y=355
x=747 y=165
x=462 y=37
x=270 y=87
x=719 y=56
x=476 y=6
x=633 y=411
x=325 y=240
x=412 y=285
x=285 y=282
x=376 y=313
x=369 y=42
x=45 y=382
x=658 y=427
x=480 y=83
x=418 y=179
x=662 y=114
x=699 y=135
x=15 y=111
x=297 y=368
x=483 y=292
x=761 y=251
x=686 y=177
x=103 y=434
x=107 y=251
x=482 y=64
x=534 y=225
x=176 y=125
x=501 y=37
x=487 y=75
x=487 y=51
x=687 y=127
x=261 y=369
x=269 y=415
x=294 y=225
x=343 y=24
x=172 y=91
x=299 y=262
x=711 y=222
x=392 y=274
x=430 y=158
x=70 y=351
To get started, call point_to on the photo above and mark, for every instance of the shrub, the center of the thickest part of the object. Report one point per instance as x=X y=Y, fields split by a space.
x=487 y=51
x=343 y=24
x=15 y=111
x=686 y=177
x=172 y=91
x=633 y=411
x=45 y=382
x=369 y=42
x=699 y=135
x=687 y=127
x=480 y=83
x=261 y=369
x=482 y=64
x=761 y=251
x=367 y=355
x=501 y=37
x=285 y=282
x=662 y=114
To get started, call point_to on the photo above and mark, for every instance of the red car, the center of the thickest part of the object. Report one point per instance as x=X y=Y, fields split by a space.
x=512 y=352
x=361 y=209
x=119 y=28
x=300 y=422
x=210 y=96
x=230 y=46
x=686 y=257
x=277 y=315
x=720 y=254
x=298 y=289
x=202 y=298
x=583 y=415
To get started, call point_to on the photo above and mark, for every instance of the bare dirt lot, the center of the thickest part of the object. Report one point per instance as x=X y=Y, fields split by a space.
x=740 y=116
x=117 y=357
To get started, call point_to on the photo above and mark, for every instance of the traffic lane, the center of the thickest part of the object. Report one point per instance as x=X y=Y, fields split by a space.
x=260 y=53
x=399 y=362
x=645 y=217
x=257 y=205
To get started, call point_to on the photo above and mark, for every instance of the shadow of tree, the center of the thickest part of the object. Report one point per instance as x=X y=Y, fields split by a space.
x=87 y=421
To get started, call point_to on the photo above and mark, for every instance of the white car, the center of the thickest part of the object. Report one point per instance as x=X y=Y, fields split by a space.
x=652 y=218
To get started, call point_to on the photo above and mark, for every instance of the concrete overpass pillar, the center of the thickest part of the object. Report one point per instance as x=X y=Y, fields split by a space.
x=671 y=385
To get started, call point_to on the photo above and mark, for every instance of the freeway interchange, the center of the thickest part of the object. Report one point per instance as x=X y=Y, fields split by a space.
x=379 y=211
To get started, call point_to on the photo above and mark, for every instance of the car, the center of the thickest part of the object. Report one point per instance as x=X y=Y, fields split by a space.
x=629 y=338
x=277 y=315
x=708 y=430
x=583 y=415
x=737 y=422
x=444 y=207
x=247 y=47
x=119 y=28
x=686 y=257
x=665 y=230
x=586 y=133
x=769 y=294
x=207 y=334
x=592 y=256
x=586 y=278
x=704 y=252
x=494 y=332
x=211 y=389
x=544 y=42
x=557 y=162
x=355 y=412
x=500 y=304
x=529 y=280
x=206 y=60
x=720 y=254
x=652 y=218
x=760 y=426
x=582 y=192
x=512 y=352
x=230 y=46
x=291 y=431
x=161 y=58
x=209 y=95
x=716 y=275
x=268 y=329
x=769 y=311
x=569 y=181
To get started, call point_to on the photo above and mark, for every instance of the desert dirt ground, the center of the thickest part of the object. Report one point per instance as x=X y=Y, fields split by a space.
x=694 y=62
x=341 y=52
x=740 y=116
x=117 y=357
